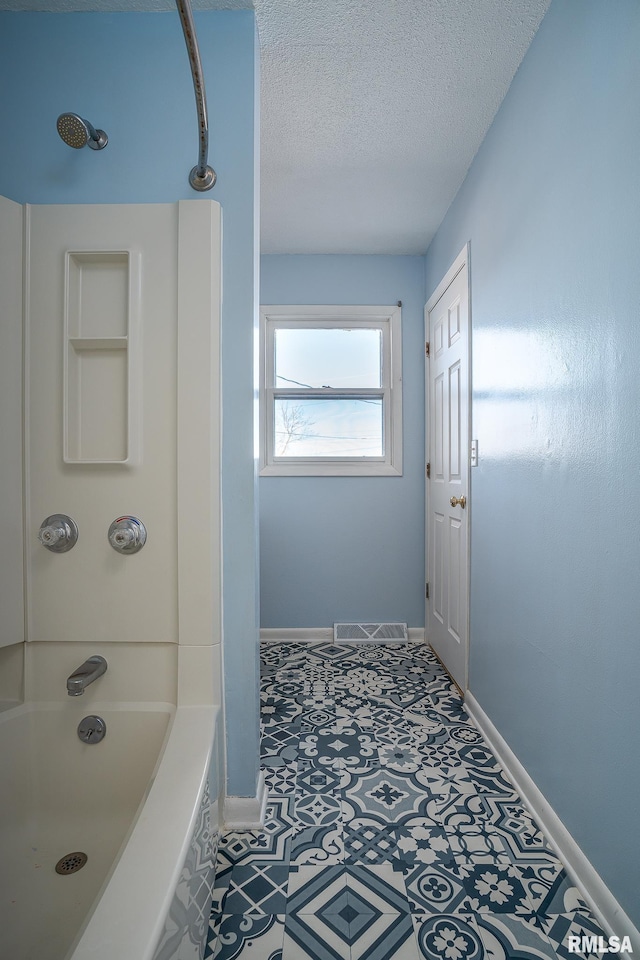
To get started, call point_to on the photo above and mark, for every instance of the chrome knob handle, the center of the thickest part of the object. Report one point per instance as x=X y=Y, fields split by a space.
x=58 y=533
x=127 y=535
x=458 y=502
x=123 y=538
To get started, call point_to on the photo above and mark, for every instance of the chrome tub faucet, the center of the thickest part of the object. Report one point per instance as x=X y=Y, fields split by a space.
x=86 y=673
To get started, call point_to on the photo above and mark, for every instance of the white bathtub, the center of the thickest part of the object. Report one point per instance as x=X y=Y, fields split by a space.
x=131 y=803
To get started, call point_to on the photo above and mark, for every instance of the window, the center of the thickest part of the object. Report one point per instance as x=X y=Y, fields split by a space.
x=331 y=391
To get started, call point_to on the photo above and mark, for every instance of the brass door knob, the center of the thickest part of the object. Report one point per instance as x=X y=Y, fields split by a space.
x=458 y=501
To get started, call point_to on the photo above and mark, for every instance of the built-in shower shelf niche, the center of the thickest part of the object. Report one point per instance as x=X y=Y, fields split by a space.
x=102 y=375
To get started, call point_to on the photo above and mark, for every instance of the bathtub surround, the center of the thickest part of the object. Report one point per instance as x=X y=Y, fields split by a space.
x=138 y=261
x=11 y=675
x=11 y=480
x=137 y=672
x=12 y=600
x=101 y=283
x=148 y=596
x=550 y=208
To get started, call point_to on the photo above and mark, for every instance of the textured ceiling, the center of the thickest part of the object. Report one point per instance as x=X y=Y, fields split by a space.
x=372 y=110
x=120 y=6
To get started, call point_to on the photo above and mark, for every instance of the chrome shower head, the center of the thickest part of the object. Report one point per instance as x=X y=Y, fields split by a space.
x=77 y=132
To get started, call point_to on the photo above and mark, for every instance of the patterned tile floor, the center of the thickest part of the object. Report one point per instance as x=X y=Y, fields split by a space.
x=392 y=832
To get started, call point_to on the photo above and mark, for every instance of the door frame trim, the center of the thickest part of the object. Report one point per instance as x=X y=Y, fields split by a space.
x=462 y=261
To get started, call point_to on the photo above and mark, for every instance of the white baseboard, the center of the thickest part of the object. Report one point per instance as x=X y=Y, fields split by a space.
x=246 y=813
x=314 y=634
x=296 y=634
x=605 y=907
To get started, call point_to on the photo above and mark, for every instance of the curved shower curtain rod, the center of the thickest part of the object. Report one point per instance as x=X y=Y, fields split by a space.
x=202 y=176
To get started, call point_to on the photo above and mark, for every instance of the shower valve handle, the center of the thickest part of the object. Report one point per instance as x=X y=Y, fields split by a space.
x=58 y=533
x=127 y=535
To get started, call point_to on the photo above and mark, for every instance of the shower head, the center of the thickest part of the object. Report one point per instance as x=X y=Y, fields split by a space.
x=77 y=132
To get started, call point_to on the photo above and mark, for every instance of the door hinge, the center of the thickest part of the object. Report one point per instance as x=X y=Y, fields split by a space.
x=427 y=348
x=426 y=591
x=428 y=471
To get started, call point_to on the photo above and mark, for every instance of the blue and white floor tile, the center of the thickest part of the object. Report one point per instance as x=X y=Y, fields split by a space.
x=448 y=937
x=506 y=936
x=247 y=937
x=392 y=831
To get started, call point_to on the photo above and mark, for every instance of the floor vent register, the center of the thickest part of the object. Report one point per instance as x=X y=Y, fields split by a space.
x=369 y=632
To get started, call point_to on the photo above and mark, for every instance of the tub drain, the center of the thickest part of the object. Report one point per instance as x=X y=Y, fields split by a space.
x=71 y=863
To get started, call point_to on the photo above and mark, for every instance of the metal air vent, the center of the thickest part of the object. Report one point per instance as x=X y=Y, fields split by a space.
x=369 y=632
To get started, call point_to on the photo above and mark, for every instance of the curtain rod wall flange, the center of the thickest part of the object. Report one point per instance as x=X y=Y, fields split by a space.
x=202 y=177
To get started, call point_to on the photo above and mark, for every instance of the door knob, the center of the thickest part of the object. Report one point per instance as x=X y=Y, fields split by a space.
x=458 y=502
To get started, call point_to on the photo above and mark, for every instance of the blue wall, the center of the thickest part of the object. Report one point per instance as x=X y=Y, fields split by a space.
x=348 y=548
x=551 y=205
x=129 y=74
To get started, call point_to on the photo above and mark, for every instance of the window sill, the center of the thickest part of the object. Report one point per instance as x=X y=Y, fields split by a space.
x=353 y=469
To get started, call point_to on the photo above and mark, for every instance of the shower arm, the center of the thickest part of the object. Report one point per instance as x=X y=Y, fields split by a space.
x=202 y=176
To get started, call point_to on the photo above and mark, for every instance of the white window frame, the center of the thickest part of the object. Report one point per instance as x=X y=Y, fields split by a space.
x=388 y=320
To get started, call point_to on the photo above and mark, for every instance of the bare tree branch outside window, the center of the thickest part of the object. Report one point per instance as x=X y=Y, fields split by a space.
x=295 y=425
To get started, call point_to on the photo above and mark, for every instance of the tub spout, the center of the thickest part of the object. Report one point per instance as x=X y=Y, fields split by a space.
x=86 y=673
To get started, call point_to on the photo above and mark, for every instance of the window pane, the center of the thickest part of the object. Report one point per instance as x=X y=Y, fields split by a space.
x=308 y=357
x=321 y=427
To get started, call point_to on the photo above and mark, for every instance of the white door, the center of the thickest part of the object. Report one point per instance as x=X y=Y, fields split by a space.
x=447 y=379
